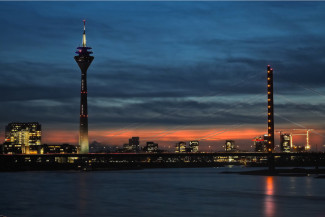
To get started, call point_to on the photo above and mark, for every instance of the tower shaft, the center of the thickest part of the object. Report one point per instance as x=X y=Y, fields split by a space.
x=83 y=60
x=83 y=128
x=270 y=110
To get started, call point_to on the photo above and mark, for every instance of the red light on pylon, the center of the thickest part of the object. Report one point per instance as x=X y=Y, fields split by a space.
x=257 y=140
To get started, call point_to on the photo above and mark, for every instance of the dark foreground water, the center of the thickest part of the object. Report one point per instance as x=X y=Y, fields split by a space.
x=159 y=192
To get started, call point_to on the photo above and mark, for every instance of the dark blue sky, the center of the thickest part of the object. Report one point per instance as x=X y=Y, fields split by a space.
x=163 y=66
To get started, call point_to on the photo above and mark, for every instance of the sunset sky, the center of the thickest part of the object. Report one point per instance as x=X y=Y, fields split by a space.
x=164 y=71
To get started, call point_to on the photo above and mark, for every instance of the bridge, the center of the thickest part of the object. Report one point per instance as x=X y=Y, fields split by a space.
x=111 y=161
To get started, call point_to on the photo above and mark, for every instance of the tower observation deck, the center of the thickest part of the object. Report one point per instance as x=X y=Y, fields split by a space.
x=83 y=60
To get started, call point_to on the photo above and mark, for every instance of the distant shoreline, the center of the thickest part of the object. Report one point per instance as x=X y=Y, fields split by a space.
x=319 y=173
x=133 y=161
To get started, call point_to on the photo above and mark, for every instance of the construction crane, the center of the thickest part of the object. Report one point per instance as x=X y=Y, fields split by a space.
x=298 y=134
x=304 y=134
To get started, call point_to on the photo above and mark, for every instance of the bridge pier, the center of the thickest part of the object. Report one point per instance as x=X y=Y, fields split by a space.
x=271 y=162
x=317 y=162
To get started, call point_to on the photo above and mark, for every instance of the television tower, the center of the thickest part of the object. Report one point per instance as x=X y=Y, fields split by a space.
x=270 y=110
x=84 y=60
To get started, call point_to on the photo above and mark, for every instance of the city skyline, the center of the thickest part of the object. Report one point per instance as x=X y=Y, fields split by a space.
x=194 y=71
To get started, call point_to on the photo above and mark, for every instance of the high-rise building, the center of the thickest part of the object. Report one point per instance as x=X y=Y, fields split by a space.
x=266 y=142
x=151 y=147
x=84 y=60
x=260 y=143
x=194 y=146
x=180 y=147
x=20 y=136
x=270 y=110
x=230 y=145
x=285 y=142
x=134 y=144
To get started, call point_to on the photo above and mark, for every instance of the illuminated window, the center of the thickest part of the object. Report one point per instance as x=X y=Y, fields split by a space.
x=268 y=92
x=269 y=100
x=268 y=78
x=269 y=106
x=268 y=113
x=269 y=121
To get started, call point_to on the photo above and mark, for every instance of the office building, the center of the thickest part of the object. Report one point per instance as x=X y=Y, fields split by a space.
x=259 y=144
x=180 y=147
x=58 y=149
x=127 y=147
x=151 y=147
x=133 y=145
x=20 y=136
x=230 y=146
x=285 y=142
x=194 y=146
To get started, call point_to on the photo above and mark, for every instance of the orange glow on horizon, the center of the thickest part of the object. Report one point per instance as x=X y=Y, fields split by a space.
x=113 y=136
x=120 y=137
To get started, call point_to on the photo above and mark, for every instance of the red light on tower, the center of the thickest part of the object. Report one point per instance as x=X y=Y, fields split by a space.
x=258 y=140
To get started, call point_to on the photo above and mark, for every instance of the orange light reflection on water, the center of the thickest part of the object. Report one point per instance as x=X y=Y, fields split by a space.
x=269 y=204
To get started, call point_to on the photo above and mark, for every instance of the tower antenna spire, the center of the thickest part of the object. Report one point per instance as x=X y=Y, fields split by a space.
x=84 y=35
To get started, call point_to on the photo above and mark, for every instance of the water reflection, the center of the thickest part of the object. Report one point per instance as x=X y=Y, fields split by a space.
x=83 y=194
x=269 y=203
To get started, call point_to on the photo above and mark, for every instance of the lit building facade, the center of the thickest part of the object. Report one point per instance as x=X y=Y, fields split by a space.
x=58 y=149
x=270 y=110
x=266 y=142
x=285 y=142
x=194 y=146
x=83 y=60
x=133 y=145
x=127 y=147
x=151 y=147
x=180 y=147
x=230 y=145
x=19 y=137
x=260 y=144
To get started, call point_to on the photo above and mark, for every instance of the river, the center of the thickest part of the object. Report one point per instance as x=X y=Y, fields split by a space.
x=190 y=192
